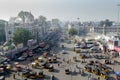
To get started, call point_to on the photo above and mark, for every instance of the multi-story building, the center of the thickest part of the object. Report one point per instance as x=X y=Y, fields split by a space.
x=35 y=28
x=112 y=29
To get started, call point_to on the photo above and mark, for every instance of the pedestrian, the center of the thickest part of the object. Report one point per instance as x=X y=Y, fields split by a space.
x=13 y=76
x=63 y=59
x=18 y=73
x=58 y=64
x=89 y=76
x=79 y=71
x=98 y=78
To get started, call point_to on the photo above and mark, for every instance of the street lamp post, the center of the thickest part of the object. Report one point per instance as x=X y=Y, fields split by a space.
x=118 y=5
x=78 y=26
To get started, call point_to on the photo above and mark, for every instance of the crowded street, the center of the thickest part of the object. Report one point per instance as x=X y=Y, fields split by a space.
x=65 y=59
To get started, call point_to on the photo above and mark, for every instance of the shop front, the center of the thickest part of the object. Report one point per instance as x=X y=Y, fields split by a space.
x=117 y=49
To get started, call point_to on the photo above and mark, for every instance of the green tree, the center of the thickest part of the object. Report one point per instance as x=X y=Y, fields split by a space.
x=24 y=14
x=2 y=30
x=22 y=36
x=72 y=31
x=106 y=22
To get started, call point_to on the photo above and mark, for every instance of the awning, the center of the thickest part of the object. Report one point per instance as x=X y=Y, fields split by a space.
x=117 y=49
x=117 y=73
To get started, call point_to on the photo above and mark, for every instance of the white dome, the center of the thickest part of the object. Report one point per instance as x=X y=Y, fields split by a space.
x=18 y=20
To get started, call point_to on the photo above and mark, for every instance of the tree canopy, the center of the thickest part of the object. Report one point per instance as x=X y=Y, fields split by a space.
x=2 y=30
x=72 y=31
x=24 y=14
x=106 y=22
x=21 y=36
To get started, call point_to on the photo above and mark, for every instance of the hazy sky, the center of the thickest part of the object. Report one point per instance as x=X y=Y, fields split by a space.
x=86 y=10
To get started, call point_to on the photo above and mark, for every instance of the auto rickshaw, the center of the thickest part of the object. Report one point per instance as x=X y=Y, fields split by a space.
x=82 y=56
x=96 y=71
x=97 y=61
x=75 y=59
x=50 y=68
x=44 y=65
x=91 y=62
x=18 y=67
x=105 y=69
x=34 y=64
x=40 y=59
x=98 y=65
x=32 y=75
x=50 y=60
x=40 y=74
x=88 y=68
x=77 y=51
x=54 y=60
x=104 y=75
x=107 y=61
x=67 y=71
x=8 y=67
x=25 y=74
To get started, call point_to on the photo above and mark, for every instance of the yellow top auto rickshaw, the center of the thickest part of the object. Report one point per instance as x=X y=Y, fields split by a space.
x=34 y=64
x=91 y=62
x=44 y=65
x=25 y=74
x=105 y=69
x=67 y=71
x=8 y=67
x=97 y=65
x=40 y=59
x=107 y=61
x=82 y=56
x=96 y=71
x=50 y=60
x=88 y=68
x=54 y=60
x=74 y=59
x=104 y=75
x=40 y=74
x=32 y=75
x=50 y=68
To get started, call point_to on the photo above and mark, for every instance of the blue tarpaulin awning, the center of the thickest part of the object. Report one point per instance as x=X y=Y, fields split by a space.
x=117 y=73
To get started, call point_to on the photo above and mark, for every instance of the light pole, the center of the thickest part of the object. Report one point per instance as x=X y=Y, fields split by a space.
x=118 y=5
x=78 y=26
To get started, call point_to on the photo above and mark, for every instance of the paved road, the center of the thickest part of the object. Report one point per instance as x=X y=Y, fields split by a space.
x=59 y=72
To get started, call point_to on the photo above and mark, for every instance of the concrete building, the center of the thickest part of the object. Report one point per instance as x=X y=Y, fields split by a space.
x=111 y=29
x=15 y=22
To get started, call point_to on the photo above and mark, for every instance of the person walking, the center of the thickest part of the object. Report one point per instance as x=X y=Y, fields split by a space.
x=58 y=64
x=98 y=78
x=13 y=76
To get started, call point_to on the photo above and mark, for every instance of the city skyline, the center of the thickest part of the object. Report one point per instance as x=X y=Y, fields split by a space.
x=92 y=10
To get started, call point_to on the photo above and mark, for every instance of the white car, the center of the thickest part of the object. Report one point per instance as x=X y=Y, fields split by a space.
x=77 y=46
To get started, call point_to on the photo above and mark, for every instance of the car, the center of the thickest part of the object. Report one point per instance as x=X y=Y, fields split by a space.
x=32 y=75
x=77 y=46
x=89 y=45
x=64 y=52
x=50 y=68
x=21 y=58
x=41 y=74
x=67 y=71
